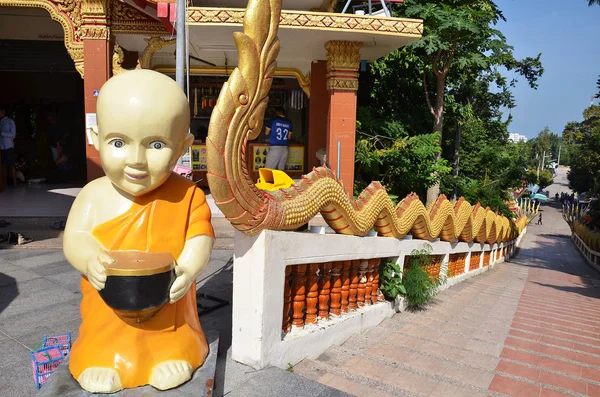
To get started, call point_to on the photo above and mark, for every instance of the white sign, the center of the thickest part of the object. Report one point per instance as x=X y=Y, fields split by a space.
x=90 y=122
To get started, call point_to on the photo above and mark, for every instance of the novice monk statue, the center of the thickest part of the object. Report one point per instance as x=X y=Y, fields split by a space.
x=140 y=205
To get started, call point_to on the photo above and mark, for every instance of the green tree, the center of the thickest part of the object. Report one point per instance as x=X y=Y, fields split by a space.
x=571 y=137
x=584 y=138
x=486 y=165
x=531 y=177
x=459 y=37
x=490 y=168
x=542 y=143
x=545 y=179
x=403 y=163
x=545 y=144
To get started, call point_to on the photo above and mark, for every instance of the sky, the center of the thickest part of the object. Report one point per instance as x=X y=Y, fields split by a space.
x=567 y=33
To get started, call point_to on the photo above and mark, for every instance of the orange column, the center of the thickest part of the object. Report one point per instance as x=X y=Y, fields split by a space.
x=343 y=60
x=318 y=111
x=96 y=72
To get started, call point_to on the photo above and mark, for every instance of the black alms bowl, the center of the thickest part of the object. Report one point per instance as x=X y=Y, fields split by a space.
x=138 y=283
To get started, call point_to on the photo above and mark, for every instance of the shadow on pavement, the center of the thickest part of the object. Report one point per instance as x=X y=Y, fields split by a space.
x=8 y=290
x=590 y=291
x=217 y=323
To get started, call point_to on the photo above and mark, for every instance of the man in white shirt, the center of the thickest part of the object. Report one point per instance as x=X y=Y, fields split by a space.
x=8 y=131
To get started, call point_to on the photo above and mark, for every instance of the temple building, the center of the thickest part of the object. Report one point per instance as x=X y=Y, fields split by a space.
x=58 y=53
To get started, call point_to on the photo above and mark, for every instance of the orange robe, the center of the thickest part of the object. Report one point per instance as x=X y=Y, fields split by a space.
x=161 y=221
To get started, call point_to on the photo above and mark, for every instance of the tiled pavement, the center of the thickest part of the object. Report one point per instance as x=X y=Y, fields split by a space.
x=529 y=327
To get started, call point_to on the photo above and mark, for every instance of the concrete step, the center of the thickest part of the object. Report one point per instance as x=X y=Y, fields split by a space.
x=274 y=381
x=340 y=379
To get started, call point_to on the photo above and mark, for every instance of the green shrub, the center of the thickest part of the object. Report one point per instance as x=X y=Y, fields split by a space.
x=391 y=280
x=419 y=285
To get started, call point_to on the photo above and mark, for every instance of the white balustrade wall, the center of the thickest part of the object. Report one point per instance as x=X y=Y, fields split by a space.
x=258 y=289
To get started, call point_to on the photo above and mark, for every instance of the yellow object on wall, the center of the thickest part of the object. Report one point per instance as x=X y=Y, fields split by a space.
x=273 y=179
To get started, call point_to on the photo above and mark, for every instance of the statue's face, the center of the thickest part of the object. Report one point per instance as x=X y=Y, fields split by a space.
x=143 y=120
x=138 y=158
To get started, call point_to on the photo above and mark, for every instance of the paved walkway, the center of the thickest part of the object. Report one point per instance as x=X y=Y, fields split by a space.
x=529 y=327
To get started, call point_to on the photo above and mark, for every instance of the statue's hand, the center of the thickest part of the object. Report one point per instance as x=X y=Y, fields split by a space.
x=181 y=284
x=95 y=272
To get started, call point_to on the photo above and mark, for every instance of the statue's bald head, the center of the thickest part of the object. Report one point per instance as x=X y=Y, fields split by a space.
x=143 y=128
x=143 y=99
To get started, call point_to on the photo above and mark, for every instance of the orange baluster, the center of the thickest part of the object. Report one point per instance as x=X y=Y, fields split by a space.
x=324 y=289
x=362 y=283
x=475 y=259
x=369 y=289
x=345 y=285
x=375 y=290
x=299 y=291
x=454 y=262
x=287 y=300
x=312 y=297
x=336 y=289
x=353 y=284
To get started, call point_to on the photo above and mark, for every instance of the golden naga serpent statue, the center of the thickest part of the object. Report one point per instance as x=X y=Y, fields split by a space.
x=238 y=117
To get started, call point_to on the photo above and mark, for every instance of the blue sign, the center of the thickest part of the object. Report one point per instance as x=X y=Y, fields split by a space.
x=95 y=92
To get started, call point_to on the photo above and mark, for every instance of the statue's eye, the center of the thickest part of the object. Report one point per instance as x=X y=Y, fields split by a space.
x=157 y=145
x=118 y=143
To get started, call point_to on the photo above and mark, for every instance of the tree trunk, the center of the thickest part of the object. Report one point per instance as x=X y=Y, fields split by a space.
x=456 y=162
x=438 y=124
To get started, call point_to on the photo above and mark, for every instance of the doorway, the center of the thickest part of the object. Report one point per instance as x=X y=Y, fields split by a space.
x=39 y=85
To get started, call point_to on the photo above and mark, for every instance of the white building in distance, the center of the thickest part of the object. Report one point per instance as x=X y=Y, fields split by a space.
x=514 y=137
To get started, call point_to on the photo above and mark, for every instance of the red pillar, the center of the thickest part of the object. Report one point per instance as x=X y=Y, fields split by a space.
x=96 y=63
x=343 y=60
x=341 y=132
x=318 y=112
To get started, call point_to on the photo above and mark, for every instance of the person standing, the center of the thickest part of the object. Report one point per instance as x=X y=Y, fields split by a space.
x=279 y=128
x=56 y=137
x=8 y=131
